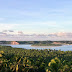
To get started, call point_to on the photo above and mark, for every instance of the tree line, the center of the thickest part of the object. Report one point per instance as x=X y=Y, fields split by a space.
x=31 y=60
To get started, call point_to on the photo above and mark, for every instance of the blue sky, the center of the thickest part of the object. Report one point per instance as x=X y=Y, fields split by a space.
x=36 y=16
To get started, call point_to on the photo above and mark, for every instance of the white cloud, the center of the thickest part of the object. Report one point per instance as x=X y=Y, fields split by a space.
x=17 y=26
x=6 y=26
x=31 y=37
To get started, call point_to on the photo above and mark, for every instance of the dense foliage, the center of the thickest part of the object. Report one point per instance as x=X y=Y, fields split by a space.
x=31 y=60
x=46 y=44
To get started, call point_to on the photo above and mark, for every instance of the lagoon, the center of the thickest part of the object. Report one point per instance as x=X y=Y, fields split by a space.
x=28 y=46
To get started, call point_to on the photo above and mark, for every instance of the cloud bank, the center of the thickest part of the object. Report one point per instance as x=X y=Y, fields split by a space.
x=10 y=35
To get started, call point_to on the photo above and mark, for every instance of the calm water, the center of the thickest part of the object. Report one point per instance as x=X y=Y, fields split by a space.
x=27 y=46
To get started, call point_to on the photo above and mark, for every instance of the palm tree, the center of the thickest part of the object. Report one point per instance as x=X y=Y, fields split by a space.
x=54 y=65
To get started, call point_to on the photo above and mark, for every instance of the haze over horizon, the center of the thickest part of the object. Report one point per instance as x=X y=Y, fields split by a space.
x=35 y=20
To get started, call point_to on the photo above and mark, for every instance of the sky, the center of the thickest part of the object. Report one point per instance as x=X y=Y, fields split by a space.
x=35 y=16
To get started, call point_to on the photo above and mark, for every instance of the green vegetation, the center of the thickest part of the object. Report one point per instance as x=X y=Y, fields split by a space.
x=46 y=45
x=5 y=42
x=44 y=42
x=37 y=42
x=23 y=60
